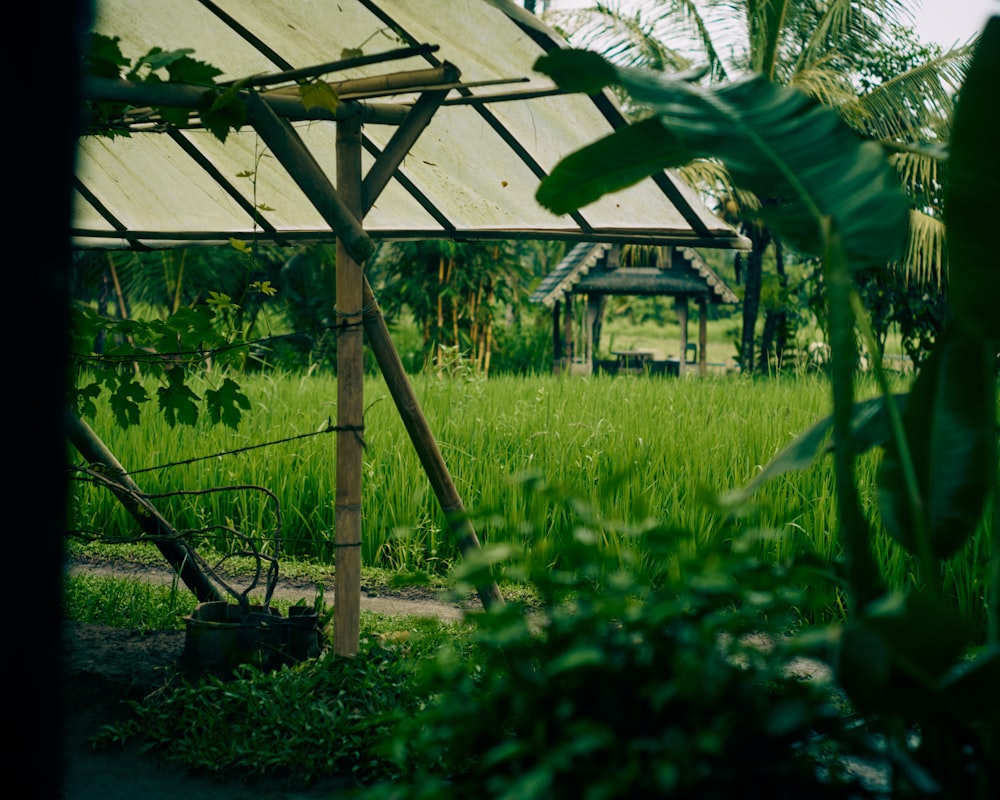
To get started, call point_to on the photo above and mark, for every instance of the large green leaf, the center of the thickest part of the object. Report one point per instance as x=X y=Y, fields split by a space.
x=869 y=428
x=800 y=158
x=972 y=202
x=626 y=157
x=950 y=427
x=897 y=654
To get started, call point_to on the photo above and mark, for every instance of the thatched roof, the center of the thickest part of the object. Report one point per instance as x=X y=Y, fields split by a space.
x=587 y=268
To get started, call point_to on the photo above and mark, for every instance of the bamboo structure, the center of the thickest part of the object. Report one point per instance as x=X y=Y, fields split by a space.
x=350 y=404
x=177 y=552
x=343 y=208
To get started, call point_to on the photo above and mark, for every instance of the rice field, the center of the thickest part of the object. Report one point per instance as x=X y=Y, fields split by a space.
x=636 y=450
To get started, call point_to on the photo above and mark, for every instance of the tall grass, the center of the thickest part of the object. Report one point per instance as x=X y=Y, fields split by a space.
x=633 y=448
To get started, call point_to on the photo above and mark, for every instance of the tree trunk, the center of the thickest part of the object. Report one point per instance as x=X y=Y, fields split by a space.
x=751 y=299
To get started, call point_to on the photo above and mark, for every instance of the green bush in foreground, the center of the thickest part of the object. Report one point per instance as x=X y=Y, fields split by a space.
x=616 y=686
x=326 y=717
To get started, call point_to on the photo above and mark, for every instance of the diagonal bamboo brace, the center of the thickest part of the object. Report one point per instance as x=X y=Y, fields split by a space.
x=423 y=440
x=177 y=552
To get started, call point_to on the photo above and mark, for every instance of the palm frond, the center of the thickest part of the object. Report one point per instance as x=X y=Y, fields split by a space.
x=712 y=179
x=925 y=93
x=630 y=38
x=925 y=259
x=920 y=174
x=828 y=84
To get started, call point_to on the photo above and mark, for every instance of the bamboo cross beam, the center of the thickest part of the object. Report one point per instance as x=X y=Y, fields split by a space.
x=375 y=85
x=144 y=98
x=399 y=145
x=295 y=157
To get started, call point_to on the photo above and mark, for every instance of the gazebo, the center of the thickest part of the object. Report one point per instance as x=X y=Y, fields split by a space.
x=364 y=120
x=591 y=272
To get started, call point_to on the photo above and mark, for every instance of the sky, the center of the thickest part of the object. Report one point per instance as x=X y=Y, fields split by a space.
x=946 y=22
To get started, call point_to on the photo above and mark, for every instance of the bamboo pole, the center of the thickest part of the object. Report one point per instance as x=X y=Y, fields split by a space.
x=176 y=95
x=302 y=167
x=177 y=552
x=350 y=403
x=295 y=157
x=423 y=440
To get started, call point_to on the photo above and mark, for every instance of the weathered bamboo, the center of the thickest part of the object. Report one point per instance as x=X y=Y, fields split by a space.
x=350 y=404
x=423 y=440
x=310 y=178
x=177 y=552
x=391 y=83
x=175 y=95
x=295 y=157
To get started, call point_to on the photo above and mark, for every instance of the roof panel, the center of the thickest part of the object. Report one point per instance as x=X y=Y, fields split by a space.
x=473 y=172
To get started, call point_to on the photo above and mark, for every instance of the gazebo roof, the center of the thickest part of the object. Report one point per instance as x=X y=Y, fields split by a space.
x=585 y=268
x=458 y=130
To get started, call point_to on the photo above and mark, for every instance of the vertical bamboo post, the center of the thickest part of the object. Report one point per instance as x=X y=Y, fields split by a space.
x=350 y=404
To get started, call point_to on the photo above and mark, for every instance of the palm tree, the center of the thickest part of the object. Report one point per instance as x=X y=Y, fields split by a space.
x=857 y=56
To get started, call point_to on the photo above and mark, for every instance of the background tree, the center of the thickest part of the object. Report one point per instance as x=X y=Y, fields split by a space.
x=455 y=292
x=856 y=56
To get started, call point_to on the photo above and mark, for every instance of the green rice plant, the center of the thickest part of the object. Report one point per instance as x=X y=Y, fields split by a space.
x=636 y=448
x=126 y=603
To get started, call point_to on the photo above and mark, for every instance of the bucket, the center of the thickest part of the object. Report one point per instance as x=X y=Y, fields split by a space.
x=221 y=636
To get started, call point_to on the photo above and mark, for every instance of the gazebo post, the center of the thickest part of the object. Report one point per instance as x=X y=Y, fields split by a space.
x=681 y=305
x=702 y=336
x=350 y=404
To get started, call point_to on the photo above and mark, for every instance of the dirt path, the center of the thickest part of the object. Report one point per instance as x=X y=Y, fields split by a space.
x=105 y=668
x=416 y=602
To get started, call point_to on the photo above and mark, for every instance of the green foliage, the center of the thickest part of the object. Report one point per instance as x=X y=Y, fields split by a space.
x=951 y=439
x=899 y=655
x=163 y=349
x=613 y=685
x=325 y=717
x=219 y=109
x=132 y=604
x=776 y=142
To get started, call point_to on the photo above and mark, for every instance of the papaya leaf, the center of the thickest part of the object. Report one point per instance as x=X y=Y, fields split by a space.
x=950 y=427
x=104 y=57
x=125 y=400
x=318 y=94
x=972 y=202
x=176 y=400
x=222 y=112
x=224 y=403
x=800 y=158
x=183 y=69
x=82 y=399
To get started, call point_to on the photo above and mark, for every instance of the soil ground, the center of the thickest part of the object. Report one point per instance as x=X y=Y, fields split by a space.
x=104 y=668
